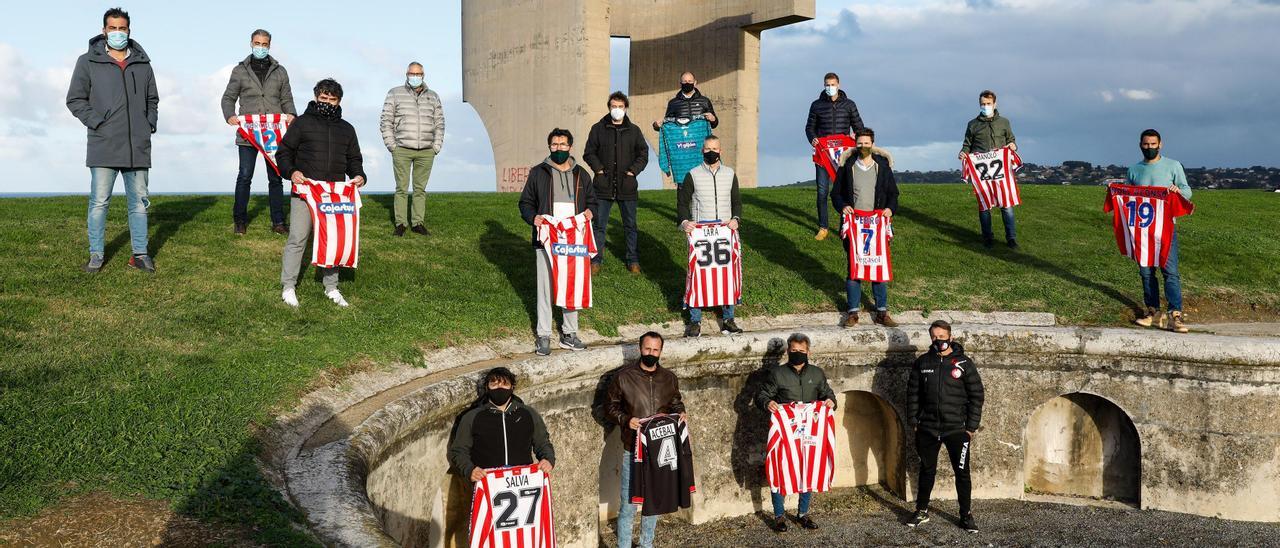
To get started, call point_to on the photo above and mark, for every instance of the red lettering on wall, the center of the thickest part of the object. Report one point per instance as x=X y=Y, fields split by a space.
x=512 y=179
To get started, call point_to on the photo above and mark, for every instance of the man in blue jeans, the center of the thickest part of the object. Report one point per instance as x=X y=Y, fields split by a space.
x=832 y=113
x=639 y=391
x=1156 y=170
x=113 y=93
x=986 y=132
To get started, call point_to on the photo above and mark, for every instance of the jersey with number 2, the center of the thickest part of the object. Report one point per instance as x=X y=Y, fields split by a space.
x=662 y=466
x=511 y=508
x=715 y=266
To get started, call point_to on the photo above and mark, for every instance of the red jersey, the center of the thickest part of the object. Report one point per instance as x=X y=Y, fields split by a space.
x=511 y=508
x=335 y=222
x=867 y=235
x=991 y=174
x=801 y=448
x=264 y=131
x=715 y=266
x=1143 y=220
x=829 y=153
x=570 y=245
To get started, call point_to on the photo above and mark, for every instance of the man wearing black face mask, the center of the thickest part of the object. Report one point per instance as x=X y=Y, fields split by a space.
x=798 y=380
x=709 y=193
x=499 y=431
x=688 y=103
x=944 y=403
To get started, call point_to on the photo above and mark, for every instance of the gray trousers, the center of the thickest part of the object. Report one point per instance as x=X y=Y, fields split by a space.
x=569 y=326
x=296 y=246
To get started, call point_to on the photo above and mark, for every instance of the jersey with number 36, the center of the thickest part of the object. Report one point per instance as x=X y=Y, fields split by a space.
x=715 y=266
x=511 y=508
x=662 y=467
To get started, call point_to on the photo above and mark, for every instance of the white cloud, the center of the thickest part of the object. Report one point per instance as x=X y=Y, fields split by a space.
x=1137 y=94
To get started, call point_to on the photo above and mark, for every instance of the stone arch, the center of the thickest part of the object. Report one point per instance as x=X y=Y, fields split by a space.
x=1083 y=445
x=869 y=446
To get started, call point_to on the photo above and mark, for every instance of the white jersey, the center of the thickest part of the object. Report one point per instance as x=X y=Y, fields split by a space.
x=991 y=174
x=800 y=454
x=570 y=244
x=715 y=266
x=511 y=508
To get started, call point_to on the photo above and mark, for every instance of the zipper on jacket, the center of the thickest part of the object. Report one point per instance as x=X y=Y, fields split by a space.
x=127 y=110
x=506 y=455
x=937 y=384
x=134 y=77
x=328 y=133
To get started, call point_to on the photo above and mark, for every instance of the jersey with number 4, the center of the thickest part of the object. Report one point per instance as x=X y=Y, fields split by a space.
x=1143 y=219
x=570 y=244
x=511 y=508
x=335 y=222
x=715 y=266
x=800 y=454
x=991 y=174
x=264 y=131
x=662 y=467
x=867 y=235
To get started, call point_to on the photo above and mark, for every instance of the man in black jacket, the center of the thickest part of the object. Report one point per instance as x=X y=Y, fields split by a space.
x=500 y=430
x=319 y=146
x=865 y=182
x=944 y=404
x=832 y=113
x=688 y=103
x=558 y=187
x=617 y=153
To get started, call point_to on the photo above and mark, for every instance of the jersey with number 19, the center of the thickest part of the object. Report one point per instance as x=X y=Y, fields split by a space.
x=800 y=455
x=1143 y=220
x=715 y=266
x=335 y=222
x=866 y=236
x=570 y=245
x=991 y=174
x=511 y=508
x=662 y=467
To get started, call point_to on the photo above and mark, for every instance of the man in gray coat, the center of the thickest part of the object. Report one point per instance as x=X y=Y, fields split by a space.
x=413 y=130
x=261 y=85
x=113 y=93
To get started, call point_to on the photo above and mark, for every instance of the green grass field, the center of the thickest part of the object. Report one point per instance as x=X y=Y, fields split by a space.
x=155 y=385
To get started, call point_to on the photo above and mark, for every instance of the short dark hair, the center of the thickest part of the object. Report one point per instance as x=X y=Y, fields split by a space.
x=560 y=132
x=940 y=324
x=868 y=132
x=499 y=373
x=799 y=338
x=653 y=335
x=329 y=86
x=831 y=76
x=987 y=93
x=260 y=32
x=1151 y=133
x=115 y=12
x=619 y=96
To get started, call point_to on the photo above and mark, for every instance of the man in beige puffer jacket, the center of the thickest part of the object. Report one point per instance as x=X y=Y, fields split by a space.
x=413 y=130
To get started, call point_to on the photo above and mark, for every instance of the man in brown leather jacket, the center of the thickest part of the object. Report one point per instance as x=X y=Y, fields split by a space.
x=639 y=391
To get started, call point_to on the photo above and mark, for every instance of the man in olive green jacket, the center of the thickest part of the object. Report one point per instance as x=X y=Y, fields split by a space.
x=987 y=132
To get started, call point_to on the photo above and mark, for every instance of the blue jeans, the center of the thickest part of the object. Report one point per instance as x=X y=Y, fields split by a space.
x=1006 y=213
x=824 y=189
x=244 y=179
x=1172 y=281
x=600 y=221
x=695 y=314
x=778 y=500
x=853 y=292
x=627 y=512
x=101 y=181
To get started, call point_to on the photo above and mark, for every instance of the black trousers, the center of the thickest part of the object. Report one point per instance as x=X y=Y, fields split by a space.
x=927 y=446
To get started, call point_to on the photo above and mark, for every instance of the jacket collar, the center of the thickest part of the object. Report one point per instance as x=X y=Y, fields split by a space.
x=607 y=120
x=696 y=94
x=840 y=96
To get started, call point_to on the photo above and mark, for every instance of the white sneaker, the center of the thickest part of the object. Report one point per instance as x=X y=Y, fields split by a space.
x=336 y=297
x=290 y=297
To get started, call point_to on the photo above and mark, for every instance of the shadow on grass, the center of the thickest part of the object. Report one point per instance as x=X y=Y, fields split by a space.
x=165 y=218
x=387 y=202
x=794 y=214
x=782 y=251
x=512 y=254
x=970 y=239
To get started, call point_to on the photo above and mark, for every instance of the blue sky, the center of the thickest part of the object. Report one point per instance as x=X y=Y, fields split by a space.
x=1079 y=79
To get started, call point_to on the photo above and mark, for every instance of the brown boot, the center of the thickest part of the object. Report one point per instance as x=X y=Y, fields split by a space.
x=633 y=268
x=595 y=268
x=850 y=319
x=280 y=229
x=1148 y=315
x=241 y=228
x=882 y=318
x=1175 y=322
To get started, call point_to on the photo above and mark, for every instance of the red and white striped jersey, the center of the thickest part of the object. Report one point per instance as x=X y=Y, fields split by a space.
x=335 y=222
x=867 y=235
x=265 y=131
x=511 y=508
x=715 y=266
x=991 y=174
x=1143 y=219
x=829 y=154
x=570 y=245
x=800 y=454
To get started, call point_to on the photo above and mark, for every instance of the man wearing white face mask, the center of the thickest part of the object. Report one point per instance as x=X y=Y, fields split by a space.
x=990 y=131
x=832 y=113
x=261 y=86
x=413 y=129
x=616 y=153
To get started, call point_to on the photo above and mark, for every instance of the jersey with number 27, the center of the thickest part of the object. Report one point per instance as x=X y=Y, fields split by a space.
x=715 y=266
x=662 y=466
x=1143 y=220
x=511 y=508
x=991 y=174
x=867 y=235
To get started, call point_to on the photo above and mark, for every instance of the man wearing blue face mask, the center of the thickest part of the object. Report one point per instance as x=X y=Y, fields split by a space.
x=113 y=93
x=412 y=127
x=832 y=113
x=990 y=131
x=261 y=86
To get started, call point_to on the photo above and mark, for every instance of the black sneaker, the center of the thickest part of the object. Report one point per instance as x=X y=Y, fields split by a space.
x=542 y=346
x=94 y=264
x=143 y=263
x=400 y=230
x=779 y=524
x=1013 y=244
x=693 y=330
x=806 y=522
x=968 y=524
x=730 y=328
x=988 y=242
x=571 y=342
x=419 y=229
x=921 y=518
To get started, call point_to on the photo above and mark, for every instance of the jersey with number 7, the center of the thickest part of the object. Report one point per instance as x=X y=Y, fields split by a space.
x=715 y=266
x=866 y=236
x=511 y=508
